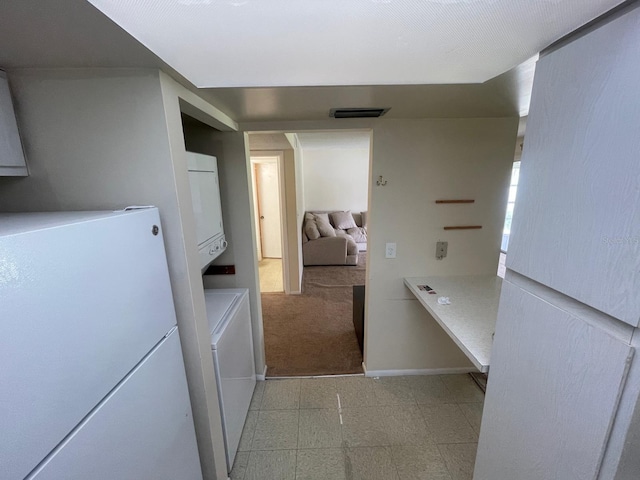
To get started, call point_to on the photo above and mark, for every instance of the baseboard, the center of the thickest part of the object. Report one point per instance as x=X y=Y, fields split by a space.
x=416 y=371
x=264 y=374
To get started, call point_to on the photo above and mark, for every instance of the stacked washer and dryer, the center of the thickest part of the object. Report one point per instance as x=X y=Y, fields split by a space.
x=227 y=309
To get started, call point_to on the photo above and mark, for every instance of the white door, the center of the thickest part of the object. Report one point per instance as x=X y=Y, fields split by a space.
x=269 y=208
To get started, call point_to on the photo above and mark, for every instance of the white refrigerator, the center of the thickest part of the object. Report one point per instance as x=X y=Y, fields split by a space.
x=91 y=370
x=563 y=395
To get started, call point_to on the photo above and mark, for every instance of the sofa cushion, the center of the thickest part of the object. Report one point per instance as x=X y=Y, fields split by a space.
x=310 y=227
x=359 y=234
x=352 y=248
x=324 y=227
x=342 y=220
x=364 y=216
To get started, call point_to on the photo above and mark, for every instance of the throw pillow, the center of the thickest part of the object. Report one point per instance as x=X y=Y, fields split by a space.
x=343 y=220
x=324 y=227
x=311 y=229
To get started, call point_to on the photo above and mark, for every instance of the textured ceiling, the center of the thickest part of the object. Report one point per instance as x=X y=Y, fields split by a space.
x=244 y=43
x=334 y=140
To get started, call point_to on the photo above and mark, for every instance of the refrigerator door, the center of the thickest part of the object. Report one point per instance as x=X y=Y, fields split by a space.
x=82 y=304
x=142 y=430
x=552 y=395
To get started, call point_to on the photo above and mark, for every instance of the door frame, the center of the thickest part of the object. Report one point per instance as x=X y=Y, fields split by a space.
x=261 y=156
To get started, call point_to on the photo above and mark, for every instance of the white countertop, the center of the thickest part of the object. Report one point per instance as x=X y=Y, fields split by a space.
x=470 y=319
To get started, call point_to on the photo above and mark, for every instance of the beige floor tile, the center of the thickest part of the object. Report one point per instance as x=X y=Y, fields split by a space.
x=319 y=428
x=270 y=273
x=463 y=388
x=363 y=427
x=272 y=465
x=405 y=425
x=248 y=430
x=393 y=391
x=321 y=464
x=355 y=391
x=240 y=466
x=428 y=389
x=460 y=459
x=276 y=430
x=473 y=413
x=447 y=424
x=281 y=394
x=318 y=393
x=370 y=463
x=423 y=462
x=258 y=393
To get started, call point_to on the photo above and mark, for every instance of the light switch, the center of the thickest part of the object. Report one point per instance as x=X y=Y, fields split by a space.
x=441 y=250
x=390 y=251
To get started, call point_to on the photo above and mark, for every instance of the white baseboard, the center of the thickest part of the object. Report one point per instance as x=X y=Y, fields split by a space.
x=416 y=371
x=264 y=374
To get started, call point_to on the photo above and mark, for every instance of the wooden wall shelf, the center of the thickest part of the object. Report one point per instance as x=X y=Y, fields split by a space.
x=455 y=201
x=464 y=227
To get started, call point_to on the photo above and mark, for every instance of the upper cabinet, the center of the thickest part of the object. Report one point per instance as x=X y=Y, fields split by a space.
x=576 y=225
x=12 y=162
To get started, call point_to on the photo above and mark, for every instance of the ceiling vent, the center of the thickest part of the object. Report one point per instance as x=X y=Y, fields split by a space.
x=357 y=112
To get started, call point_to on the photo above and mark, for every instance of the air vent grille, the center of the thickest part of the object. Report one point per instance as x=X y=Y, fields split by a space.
x=357 y=112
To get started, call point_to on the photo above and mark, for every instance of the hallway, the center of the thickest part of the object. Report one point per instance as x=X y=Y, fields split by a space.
x=359 y=428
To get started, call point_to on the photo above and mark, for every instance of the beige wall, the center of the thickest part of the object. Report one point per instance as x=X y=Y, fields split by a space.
x=424 y=160
x=336 y=178
x=300 y=206
x=105 y=139
x=291 y=241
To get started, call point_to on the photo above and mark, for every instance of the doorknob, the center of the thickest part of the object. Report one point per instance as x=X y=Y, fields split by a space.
x=261 y=217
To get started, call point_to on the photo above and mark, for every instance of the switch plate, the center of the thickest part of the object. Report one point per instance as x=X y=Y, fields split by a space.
x=390 y=250
x=441 y=250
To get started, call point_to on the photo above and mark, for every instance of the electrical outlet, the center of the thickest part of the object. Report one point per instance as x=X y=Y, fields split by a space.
x=441 y=250
x=390 y=250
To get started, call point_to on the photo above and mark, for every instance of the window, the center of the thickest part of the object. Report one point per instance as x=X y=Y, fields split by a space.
x=513 y=187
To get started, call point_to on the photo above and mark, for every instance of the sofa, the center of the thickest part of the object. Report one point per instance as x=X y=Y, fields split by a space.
x=333 y=238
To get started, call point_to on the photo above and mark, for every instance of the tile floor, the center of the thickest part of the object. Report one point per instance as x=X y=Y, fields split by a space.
x=391 y=428
x=270 y=274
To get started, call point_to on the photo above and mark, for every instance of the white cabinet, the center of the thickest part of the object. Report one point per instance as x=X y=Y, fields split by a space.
x=12 y=162
x=576 y=225
x=552 y=394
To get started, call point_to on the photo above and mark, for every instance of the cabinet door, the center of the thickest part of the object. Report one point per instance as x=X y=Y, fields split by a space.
x=576 y=225
x=12 y=161
x=552 y=394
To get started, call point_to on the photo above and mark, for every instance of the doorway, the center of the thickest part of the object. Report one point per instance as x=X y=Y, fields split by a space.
x=267 y=198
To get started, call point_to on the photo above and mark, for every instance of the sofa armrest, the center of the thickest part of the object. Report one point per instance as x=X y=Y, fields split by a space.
x=325 y=251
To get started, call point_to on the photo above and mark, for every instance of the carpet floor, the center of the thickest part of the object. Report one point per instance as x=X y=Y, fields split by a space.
x=312 y=333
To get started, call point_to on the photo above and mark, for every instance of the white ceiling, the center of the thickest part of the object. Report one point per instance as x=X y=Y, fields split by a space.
x=258 y=43
x=268 y=141
x=334 y=140
x=75 y=34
